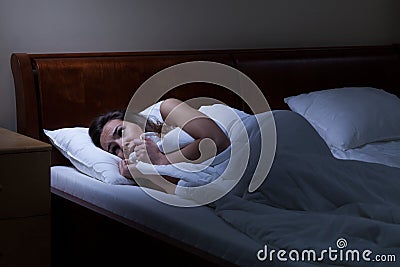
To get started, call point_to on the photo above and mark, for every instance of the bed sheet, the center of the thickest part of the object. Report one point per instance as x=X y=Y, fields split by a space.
x=196 y=226
x=387 y=153
x=324 y=203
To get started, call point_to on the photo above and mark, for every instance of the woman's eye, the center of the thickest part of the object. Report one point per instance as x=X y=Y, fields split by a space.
x=119 y=132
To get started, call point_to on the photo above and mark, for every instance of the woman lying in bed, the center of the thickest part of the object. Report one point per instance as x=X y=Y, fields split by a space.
x=128 y=141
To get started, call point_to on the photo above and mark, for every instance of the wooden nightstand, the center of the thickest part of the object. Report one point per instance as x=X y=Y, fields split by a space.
x=24 y=200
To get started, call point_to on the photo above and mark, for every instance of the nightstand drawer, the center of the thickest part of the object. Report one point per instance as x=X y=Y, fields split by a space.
x=25 y=242
x=24 y=184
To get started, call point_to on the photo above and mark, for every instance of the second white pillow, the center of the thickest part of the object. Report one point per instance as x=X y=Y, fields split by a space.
x=350 y=117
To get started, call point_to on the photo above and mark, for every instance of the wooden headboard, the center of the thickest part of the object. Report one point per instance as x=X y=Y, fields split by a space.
x=65 y=90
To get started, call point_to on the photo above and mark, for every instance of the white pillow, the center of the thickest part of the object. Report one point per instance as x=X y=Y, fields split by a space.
x=77 y=146
x=350 y=117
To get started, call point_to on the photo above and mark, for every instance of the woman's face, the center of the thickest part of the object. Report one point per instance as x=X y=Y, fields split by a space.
x=111 y=137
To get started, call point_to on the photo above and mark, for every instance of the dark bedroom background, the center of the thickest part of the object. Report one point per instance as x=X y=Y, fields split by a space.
x=45 y=26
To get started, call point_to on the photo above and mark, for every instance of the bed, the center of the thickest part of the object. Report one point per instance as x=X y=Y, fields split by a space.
x=97 y=222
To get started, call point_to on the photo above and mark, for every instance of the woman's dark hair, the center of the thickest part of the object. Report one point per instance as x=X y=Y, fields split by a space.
x=97 y=125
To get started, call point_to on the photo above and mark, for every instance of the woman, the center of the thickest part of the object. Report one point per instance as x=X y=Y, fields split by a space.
x=111 y=133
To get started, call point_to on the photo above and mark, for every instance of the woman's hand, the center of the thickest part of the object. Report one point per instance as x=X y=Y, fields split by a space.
x=157 y=182
x=147 y=151
x=123 y=169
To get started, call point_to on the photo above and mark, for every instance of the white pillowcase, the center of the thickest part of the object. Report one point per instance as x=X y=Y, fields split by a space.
x=350 y=117
x=77 y=146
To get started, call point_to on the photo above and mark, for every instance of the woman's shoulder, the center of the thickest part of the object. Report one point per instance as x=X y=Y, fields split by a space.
x=168 y=105
x=153 y=111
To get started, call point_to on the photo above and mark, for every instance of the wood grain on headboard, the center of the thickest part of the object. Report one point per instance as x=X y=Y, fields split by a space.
x=70 y=89
x=295 y=71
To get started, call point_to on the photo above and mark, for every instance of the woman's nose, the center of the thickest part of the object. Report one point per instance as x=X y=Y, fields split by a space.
x=119 y=142
x=120 y=152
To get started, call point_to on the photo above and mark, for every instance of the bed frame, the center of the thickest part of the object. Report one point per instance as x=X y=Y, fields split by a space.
x=70 y=89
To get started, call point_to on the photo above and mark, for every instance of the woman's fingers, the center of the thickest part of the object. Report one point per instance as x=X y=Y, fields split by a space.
x=121 y=167
x=139 y=148
x=141 y=155
x=124 y=170
x=145 y=151
x=129 y=147
x=141 y=152
x=148 y=152
x=137 y=142
x=138 y=145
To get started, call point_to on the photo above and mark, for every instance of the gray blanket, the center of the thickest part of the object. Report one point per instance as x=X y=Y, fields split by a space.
x=314 y=209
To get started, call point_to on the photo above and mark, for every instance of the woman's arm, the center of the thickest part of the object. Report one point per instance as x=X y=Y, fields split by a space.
x=158 y=182
x=209 y=141
x=209 y=138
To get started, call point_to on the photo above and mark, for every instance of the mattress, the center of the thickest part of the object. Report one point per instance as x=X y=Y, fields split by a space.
x=199 y=227
x=387 y=153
